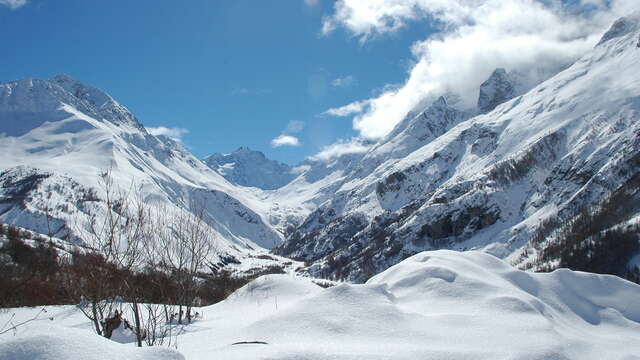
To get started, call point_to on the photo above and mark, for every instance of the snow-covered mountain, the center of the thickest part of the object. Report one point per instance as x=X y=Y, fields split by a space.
x=246 y=167
x=58 y=135
x=506 y=177
x=446 y=179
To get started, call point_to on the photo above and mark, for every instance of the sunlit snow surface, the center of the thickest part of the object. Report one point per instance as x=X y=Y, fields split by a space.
x=434 y=305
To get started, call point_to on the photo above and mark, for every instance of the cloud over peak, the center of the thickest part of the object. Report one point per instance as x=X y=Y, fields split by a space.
x=340 y=148
x=474 y=37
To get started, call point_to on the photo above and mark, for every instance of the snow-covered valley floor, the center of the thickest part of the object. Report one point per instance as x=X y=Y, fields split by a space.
x=434 y=305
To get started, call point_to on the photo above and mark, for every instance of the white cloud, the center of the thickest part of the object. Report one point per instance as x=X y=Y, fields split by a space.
x=344 y=81
x=349 y=109
x=474 y=38
x=294 y=126
x=311 y=3
x=173 y=133
x=341 y=147
x=13 y=4
x=285 y=140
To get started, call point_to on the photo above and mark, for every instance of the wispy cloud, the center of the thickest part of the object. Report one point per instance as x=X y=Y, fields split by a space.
x=174 y=133
x=474 y=38
x=340 y=148
x=344 y=81
x=13 y=4
x=285 y=140
x=349 y=109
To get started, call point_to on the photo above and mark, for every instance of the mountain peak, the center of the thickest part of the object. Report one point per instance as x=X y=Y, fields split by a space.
x=64 y=78
x=441 y=102
x=252 y=168
x=621 y=27
x=244 y=149
x=105 y=106
x=497 y=89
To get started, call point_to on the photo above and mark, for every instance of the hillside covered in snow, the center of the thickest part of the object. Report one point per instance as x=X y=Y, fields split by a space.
x=59 y=135
x=515 y=177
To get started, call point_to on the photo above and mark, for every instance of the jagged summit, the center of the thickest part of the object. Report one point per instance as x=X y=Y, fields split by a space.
x=497 y=89
x=105 y=105
x=244 y=149
x=64 y=78
x=24 y=99
x=489 y=181
x=428 y=124
x=621 y=27
x=251 y=168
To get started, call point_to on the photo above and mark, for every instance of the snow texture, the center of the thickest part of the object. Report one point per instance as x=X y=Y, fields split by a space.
x=434 y=305
x=67 y=343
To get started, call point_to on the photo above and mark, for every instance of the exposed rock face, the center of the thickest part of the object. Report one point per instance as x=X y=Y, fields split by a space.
x=444 y=180
x=496 y=90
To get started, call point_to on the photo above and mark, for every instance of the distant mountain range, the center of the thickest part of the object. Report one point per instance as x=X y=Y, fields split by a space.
x=247 y=167
x=516 y=177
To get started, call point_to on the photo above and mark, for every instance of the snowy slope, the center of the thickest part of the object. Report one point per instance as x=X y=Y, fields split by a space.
x=434 y=305
x=247 y=167
x=485 y=182
x=58 y=135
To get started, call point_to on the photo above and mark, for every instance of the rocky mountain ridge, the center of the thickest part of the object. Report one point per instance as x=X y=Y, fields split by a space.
x=488 y=181
x=491 y=178
x=246 y=167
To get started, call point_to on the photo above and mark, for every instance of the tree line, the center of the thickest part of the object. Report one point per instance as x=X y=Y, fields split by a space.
x=142 y=267
x=600 y=238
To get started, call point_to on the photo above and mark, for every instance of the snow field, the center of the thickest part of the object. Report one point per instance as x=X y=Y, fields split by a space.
x=434 y=305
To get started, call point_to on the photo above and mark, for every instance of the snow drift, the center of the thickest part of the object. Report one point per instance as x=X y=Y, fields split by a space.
x=435 y=305
x=67 y=343
x=438 y=305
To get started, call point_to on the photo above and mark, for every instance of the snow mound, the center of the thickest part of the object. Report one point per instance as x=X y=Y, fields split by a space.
x=67 y=343
x=434 y=305
x=440 y=279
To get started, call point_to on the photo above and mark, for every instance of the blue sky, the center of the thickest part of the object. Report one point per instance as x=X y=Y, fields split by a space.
x=232 y=73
